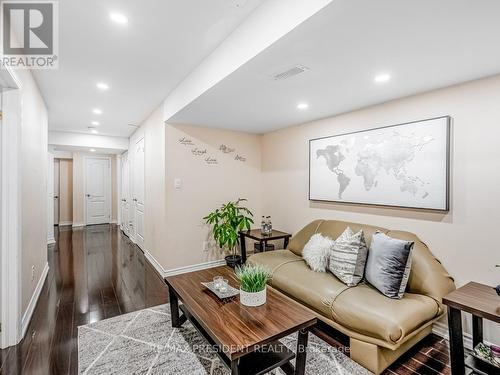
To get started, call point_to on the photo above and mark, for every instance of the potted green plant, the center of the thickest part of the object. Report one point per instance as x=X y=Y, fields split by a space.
x=227 y=221
x=253 y=282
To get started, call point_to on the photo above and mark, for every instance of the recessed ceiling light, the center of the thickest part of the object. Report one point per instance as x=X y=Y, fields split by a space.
x=95 y=123
x=97 y=111
x=102 y=86
x=94 y=131
x=381 y=78
x=118 y=18
x=92 y=150
x=302 y=106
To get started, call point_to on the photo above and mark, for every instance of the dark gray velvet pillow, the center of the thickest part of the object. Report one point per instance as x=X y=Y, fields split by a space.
x=388 y=265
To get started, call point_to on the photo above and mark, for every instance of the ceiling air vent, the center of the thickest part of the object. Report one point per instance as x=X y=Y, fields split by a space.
x=297 y=69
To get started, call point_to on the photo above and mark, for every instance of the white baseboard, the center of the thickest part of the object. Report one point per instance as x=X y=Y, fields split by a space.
x=61 y=223
x=441 y=329
x=76 y=225
x=34 y=299
x=177 y=271
x=51 y=241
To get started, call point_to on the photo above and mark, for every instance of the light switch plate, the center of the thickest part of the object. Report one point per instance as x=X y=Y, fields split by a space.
x=177 y=183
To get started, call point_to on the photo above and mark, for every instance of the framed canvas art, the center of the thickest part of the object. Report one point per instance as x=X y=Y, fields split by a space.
x=405 y=165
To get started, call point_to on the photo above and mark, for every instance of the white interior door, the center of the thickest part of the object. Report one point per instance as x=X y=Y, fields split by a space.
x=138 y=193
x=97 y=190
x=125 y=191
x=56 y=191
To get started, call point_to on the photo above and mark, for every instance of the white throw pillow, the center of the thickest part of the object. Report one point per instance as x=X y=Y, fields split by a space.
x=316 y=252
x=348 y=257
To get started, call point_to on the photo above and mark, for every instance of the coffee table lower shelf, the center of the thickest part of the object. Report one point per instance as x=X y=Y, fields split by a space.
x=272 y=355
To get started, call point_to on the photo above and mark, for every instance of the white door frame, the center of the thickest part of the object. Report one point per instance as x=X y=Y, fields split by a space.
x=124 y=224
x=142 y=138
x=50 y=199
x=109 y=189
x=118 y=190
x=10 y=207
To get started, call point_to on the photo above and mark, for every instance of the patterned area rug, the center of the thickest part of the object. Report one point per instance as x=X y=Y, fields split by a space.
x=144 y=342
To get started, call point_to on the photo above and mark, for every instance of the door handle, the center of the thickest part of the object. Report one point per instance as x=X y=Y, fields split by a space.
x=135 y=199
x=124 y=200
x=88 y=195
x=56 y=196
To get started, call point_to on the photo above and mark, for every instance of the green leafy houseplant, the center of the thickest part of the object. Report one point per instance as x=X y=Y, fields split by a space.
x=253 y=278
x=227 y=221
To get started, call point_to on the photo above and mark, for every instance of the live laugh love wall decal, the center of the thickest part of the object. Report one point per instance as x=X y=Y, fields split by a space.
x=203 y=152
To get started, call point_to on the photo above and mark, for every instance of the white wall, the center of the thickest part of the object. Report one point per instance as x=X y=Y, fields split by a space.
x=464 y=239
x=34 y=195
x=77 y=140
x=153 y=131
x=50 y=198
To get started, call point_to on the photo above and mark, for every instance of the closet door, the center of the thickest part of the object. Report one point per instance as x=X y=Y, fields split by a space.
x=125 y=198
x=138 y=192
x=97 y=190
x=56 y=191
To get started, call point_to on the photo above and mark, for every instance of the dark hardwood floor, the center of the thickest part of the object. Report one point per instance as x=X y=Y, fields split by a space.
x=97 y=273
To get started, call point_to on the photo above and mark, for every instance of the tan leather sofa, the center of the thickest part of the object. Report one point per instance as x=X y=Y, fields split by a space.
x=380 y=329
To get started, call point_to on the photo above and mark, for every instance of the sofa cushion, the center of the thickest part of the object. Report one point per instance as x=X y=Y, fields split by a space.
x=274 y=259
x=365 y=310
x=298 y=241
x=427 y=275
x=334 y=228
x=313 y=289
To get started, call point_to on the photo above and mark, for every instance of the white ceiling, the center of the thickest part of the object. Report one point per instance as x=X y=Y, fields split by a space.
x=423 y=45
x=141 y=61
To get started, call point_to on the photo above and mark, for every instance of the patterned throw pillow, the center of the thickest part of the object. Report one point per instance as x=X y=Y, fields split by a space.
x=316 y=252
x=389 y=264
x=348 y=257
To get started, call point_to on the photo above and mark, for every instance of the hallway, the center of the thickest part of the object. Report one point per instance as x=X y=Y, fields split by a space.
x=95 y=273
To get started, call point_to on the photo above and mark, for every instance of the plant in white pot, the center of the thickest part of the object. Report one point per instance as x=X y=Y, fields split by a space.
x=253 y=281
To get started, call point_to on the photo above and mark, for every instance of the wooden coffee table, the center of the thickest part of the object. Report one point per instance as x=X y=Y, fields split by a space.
x=246 y=338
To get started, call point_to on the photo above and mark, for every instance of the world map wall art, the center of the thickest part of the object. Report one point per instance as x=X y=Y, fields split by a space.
x=406 y=165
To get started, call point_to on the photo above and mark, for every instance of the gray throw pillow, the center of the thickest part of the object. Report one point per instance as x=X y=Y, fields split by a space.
x=388 y=265
x=348 y=257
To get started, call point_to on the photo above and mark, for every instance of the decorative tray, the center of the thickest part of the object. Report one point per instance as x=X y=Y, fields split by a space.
x=484 y=353
x=230 y=292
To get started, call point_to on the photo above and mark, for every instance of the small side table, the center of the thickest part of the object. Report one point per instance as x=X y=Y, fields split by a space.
x=256 y=234
x=482 y=302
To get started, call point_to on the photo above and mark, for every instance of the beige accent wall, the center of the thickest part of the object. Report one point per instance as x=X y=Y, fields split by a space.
x=204 y=187
x=79 y=188
x=65 y=191
x=174 y=229
x=464 y=238
x=34 y=185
